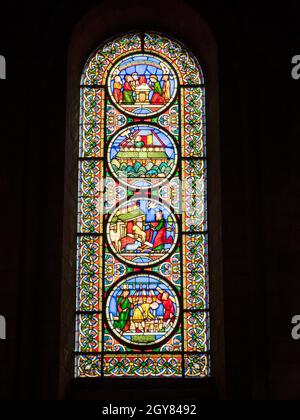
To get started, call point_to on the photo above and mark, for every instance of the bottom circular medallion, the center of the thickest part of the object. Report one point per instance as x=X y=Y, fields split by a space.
x=142 y=310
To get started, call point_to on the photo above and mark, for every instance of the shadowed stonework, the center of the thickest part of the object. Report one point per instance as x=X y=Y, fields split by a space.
x=252 y=146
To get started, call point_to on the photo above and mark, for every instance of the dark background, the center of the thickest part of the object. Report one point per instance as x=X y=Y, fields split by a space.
x=260 y=137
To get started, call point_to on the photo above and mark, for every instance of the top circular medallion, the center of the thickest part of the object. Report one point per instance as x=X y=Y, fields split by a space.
x=142 y=85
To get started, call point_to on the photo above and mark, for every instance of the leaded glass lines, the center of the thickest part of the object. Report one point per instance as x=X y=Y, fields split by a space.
x=142 y=260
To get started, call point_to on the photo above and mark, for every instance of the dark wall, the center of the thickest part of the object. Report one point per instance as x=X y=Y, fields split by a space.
x=259 y=133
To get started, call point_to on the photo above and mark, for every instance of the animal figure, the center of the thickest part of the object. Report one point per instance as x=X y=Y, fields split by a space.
x=139 y=233
x=116 y=236
x=133 y=247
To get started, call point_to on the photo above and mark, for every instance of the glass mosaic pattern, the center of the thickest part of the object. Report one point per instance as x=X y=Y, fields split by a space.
x=142 y=255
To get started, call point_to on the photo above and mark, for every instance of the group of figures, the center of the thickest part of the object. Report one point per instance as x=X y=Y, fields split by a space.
x=137 y=89
x=143 y=310
x=142 y=232
x=142 y=84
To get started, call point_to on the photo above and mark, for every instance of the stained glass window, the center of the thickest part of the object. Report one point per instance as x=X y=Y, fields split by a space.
x=142 y=260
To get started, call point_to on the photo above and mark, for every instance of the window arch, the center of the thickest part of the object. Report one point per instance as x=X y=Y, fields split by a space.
x=142 y=264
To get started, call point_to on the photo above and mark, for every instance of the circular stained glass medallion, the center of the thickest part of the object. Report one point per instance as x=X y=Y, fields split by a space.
x=142 y=310
x=142 y=232
x=142 y=85
x=142 y=156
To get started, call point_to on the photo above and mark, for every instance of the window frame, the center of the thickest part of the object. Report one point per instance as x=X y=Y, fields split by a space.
x=196 y=34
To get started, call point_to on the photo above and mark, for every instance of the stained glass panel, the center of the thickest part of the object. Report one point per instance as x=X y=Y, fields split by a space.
x=90 y=197
x=197 y=365
x=142 y=85
x=188 y=70
x=142 y=156
x=143 y=366
x=195 y=249
x=88 y=366
x=98 y=66
x=89 y=270
x=196 y=332
x=142 y=232
x=91 y=122
x=89 y=328
x=115 y=120
x=194 y=200
x=193 y=122
x=112 y=344
x=142 y=258
x=150 y=311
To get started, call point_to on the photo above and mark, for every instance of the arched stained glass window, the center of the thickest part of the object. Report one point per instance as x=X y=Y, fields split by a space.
x=142 y=273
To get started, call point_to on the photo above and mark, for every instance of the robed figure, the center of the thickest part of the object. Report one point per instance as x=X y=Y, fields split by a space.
x=168 y=303
x=118 y=95
x=124 y=307
x=128 y=91
x=157 y=98
x=141 y=314
x=157 y=234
